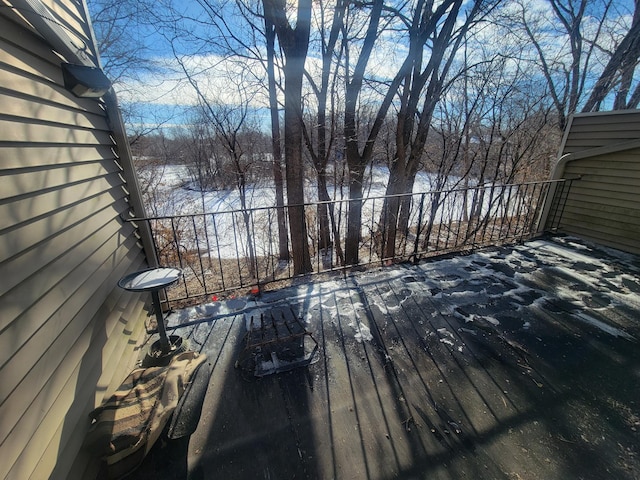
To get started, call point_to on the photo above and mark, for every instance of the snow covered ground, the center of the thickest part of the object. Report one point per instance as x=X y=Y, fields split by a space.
x=227 y=233
x=179 y=199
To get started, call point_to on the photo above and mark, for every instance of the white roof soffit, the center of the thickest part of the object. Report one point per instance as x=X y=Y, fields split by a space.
x=74 y=51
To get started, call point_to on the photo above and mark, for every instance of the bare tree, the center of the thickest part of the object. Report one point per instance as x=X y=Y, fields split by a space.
x=235 y=32
x=228 y=121
x=358 y=159
x=123 y=30
x=421 y=89
x=152 y=155
x=619 y=71
x=569 y=46
x=320 y=140
x=120 y=30
x=231 y=127
x=294 y=42
x=276 y=147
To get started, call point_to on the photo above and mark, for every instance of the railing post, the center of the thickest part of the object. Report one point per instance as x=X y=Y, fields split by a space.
x=550 y=199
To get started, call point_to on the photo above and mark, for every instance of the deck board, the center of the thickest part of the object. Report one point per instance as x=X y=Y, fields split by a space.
x=518 y=362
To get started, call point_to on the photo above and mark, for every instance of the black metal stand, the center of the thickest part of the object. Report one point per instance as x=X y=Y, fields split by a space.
x=162 y=331
x=153 y=280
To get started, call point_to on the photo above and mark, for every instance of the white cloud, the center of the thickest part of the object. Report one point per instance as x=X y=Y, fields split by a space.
x=230 y=80
x=220 y=80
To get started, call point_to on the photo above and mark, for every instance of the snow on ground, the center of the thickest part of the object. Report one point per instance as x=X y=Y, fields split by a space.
x=227 y=234
x=174 y=186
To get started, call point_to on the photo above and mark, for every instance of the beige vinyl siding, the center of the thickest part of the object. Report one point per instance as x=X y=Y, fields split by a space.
x=69 y=15
x=593 y=130
x=68 y=334
x=604 y=204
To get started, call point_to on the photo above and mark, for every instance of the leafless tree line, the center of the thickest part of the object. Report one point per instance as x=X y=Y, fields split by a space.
x=472 y=92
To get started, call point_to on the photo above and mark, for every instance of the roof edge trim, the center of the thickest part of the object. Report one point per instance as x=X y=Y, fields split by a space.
x=40 y=17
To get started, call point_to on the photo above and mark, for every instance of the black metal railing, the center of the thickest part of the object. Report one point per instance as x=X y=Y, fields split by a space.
x=227 y=250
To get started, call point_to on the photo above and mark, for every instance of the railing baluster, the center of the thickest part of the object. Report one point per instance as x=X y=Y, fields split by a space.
x=538 y=194
x=516 y=216
x=270 y=251
x=476 y=213
x=505 y=215
x=195 y=233
x=405 y=237
x=372 y=232
x=175 y=239
x=562 y=201
x=237 y=249
x=493 y=218
x=286 y=214
x=318 y=249
x=153 y=236
x=451 y=215
x=418 y=227
x=439 y=205
x=215 y=232
x=524 y=221
x=253 y=247
x=461 y=217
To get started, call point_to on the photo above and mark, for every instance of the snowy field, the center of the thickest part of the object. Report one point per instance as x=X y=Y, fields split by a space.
x=181 y=198
x=224 y=231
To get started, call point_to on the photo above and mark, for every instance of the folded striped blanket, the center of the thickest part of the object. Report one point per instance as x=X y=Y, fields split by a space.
x=125 y=427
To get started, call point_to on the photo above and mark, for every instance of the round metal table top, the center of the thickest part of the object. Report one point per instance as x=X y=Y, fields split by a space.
x=150 y=279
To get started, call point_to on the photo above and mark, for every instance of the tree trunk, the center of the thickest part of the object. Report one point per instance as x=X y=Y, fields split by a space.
x=324 y=132
x=324 y=232
x=356 y=161
x=354 y=217
x=411 y=137
x=294 y=44
x=283 y=240
x=391 y=209
x=293 y=70
x=625 y=56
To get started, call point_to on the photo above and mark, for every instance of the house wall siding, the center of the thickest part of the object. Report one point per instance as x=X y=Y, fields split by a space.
x=68 y=334
x=604 y=205
x=593 y=130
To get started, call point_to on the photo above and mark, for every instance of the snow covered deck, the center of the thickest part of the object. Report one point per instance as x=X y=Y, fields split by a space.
x=516 y=362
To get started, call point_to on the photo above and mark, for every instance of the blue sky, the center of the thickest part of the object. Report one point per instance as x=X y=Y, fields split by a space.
x=163 y=95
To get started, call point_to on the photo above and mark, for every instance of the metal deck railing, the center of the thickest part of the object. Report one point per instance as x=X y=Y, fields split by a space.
x=228 y=250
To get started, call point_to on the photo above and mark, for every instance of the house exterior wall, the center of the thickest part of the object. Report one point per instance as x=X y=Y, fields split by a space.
x=603 y=150
x=592 y=130
x=68 y=334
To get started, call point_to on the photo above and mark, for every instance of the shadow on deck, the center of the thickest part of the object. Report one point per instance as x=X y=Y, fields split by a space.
x=516 y=363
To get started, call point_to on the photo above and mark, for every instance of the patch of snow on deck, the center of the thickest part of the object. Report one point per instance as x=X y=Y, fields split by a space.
x=363 y=333
x=334 y=300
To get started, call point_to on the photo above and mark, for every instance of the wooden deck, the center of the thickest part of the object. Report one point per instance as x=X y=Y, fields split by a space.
x=510 y=363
